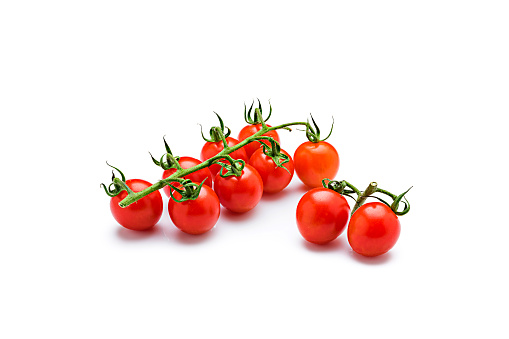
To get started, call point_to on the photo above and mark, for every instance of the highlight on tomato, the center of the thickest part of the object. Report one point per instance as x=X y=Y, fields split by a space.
x=193 y=209
x=315 y=159
x=139 y=216
x=274 y=165
x=322 y=215
x=215 y=145
x=238 y=186
x=253 y=126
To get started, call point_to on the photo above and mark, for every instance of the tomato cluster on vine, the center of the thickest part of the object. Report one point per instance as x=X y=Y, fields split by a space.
x=235 y=173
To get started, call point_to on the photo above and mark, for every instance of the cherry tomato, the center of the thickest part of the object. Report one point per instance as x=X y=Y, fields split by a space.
x=239 y=194
x=322 y=215
x=373 y=230
x=315 y=161
x=210 y=149
x=141 y=215
x=274 y=178
x=248 y=131
x=197 y=177
x=195 y=216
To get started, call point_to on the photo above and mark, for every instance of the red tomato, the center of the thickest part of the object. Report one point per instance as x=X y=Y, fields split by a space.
x=248 y=131
x=197 y=177
x=210 y=149
x=195 y=216
x=322 y=215
x=315 y=161
x=142 y=214
x=373 y=230
x=239 y=194
x=274 y=178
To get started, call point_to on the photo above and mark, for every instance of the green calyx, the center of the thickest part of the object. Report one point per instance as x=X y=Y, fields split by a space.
x=313 y=134
x=257 y=116
x=232 y=168
x=171 y=161
x=217 y=133
x=188 y=190
x=274 y=152
x=117 y=185
x=345 y=188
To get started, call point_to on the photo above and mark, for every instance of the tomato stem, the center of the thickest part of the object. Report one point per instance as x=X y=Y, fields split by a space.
x=222 y=137
x=372 y=188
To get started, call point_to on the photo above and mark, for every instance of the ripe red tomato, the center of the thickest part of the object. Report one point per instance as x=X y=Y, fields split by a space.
x=210 y=149
x=274 y=178
x=315 y=161
x=239 y=194
x=195 y=216
x=197 y=177
x=374 y=229
x=248 y=131
x=141 y=215
x=322 y=215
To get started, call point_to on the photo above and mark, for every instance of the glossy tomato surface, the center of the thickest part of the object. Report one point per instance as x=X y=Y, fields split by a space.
x=195 y=216
x=322 y=215
x=274 y=178
x=315 y=162
x=248 y=131
x=239 y=194
x=374 y=229
x=142 y=214
x=197 y=177
x=210 y=149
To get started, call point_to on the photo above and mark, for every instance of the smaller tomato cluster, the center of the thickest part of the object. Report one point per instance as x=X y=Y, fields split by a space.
x=374 y=228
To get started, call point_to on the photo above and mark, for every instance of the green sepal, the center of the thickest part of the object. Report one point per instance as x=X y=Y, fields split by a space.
x=313 y=134
x=336 y=186
x=216 y=131
x=191 y=190
x=274 y=153
x=395 y=204
x=171 y=161
x=257 y=116
x=232 y=168
x=118 y=184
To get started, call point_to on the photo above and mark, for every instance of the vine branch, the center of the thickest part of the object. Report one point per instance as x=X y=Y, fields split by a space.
x=135 y=196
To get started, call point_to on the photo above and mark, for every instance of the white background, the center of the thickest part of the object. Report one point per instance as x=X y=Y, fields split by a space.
x=419 y=93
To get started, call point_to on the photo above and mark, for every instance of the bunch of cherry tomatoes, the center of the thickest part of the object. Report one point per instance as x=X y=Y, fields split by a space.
x=238 y=180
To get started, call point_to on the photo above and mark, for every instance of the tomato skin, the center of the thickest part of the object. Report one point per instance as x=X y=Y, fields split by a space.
x=315 y=161
x=322 y=215
x=195 y=216
x=374 y=229
x=248 y=131
x=197 y=177
x=239 y=194
x=142 y=214
x=210 y=149
x=274 y=178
